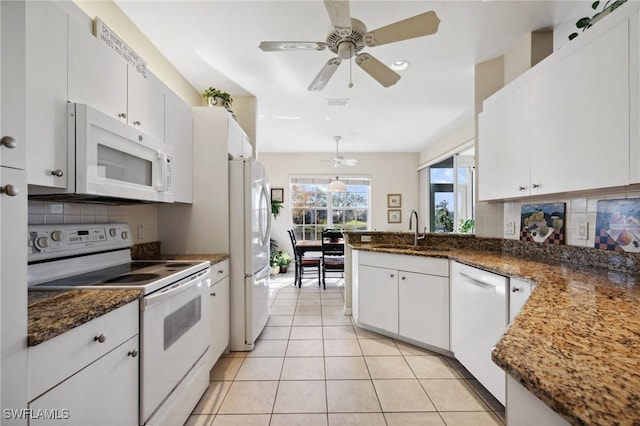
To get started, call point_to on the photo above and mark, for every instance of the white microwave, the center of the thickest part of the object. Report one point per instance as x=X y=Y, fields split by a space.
x=111 y=162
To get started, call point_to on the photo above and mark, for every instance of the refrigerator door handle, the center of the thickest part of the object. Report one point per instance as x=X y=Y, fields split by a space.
x=265 y=198
x=261 y=274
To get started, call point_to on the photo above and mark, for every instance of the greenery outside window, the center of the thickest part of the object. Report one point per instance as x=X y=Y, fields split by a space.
x=451 y=196
x=314 y=209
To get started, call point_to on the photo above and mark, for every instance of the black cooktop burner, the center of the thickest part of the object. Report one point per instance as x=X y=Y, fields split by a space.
x=127 y=274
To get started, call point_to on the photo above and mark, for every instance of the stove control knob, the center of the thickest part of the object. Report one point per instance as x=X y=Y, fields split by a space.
x=42 y=242
x=56 y=236
x=125 y=235
x=113 y=232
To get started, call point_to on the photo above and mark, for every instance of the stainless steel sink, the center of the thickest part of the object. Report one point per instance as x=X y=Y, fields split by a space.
x=409 y=247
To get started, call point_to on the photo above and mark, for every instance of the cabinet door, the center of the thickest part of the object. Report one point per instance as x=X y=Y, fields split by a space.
x=378 y=297
x=178 y=133
x=145 y=103
x=503 y=145
x=46 y=94
x=103 y=393
x=520 y=291
x=236 y=138
x=580 y=118
x=97 y=75
x=219 y=318
x=424 y=308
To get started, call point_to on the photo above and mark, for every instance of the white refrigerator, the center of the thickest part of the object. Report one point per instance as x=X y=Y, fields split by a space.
x=249 y=242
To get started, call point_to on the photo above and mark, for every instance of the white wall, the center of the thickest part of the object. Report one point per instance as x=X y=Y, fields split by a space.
x=389 y=173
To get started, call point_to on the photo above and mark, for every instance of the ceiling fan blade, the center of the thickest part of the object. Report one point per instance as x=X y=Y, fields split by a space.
x=340 y=16
x=324 y=75
x=417 y=26
x=279 y=46
x=376 y=69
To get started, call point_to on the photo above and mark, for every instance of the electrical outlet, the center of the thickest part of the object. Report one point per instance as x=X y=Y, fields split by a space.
x=583 y=230
x=140 y=231
x=365 y=238
x=510 y=228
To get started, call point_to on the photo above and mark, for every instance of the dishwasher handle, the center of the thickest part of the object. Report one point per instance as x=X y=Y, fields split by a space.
x=477 y=282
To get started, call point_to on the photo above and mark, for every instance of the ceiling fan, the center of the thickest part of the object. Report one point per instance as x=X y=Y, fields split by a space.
x=338 y=160
x=349 y=36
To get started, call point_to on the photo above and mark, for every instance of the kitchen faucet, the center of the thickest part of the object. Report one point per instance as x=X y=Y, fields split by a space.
x=416 y=237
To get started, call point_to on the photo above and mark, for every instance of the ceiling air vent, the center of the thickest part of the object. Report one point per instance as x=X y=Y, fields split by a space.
x=337 y=102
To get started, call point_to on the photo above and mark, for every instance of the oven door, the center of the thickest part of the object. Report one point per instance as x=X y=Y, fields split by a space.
x=175 y=336
x=115 y=160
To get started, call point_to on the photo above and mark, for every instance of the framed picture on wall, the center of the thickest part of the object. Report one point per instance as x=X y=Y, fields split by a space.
x=394 y=200
x=394 y=216
x=277 y=194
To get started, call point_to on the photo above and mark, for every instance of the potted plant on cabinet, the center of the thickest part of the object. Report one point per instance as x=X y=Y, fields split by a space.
x=587 y=22
x=215 y=97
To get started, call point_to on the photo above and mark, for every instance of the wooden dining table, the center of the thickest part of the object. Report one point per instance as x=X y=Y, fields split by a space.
x=304 y=246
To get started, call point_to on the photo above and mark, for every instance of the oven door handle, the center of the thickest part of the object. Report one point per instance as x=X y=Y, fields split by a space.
x=173 y=290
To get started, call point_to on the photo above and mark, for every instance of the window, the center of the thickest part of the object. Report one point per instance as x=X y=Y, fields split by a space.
x=451 y=197
x=314 y=209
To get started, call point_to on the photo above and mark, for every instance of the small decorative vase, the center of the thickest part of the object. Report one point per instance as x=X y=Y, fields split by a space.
x=215 y=101
x=275 y=270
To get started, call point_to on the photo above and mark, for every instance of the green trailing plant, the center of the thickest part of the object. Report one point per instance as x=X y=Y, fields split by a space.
x=276 y=207
x=586 y=22
x=212 y=92
x=467 y=226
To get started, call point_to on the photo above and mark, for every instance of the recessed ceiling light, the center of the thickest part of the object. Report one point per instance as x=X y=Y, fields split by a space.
x=400 y=65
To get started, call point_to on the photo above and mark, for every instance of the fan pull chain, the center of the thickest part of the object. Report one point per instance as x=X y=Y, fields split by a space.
x=350 y=61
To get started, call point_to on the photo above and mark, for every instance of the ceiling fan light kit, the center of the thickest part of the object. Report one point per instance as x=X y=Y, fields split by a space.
x=349 y=36
x=337 y=186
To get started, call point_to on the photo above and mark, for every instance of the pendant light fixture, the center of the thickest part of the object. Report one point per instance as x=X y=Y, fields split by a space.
x=337 y=186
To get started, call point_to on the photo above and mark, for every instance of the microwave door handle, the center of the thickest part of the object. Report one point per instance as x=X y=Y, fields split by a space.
x=164 y=172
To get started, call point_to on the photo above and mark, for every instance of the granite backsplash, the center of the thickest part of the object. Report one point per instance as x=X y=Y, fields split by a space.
x=547 y=253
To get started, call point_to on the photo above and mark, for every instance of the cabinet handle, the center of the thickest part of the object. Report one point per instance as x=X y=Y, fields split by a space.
x=136 y=123
x=522 y=188
x=122 y=115
x=213 y=294
x=140 y=138
x=221 y=271
x=133 y=353
x=10 y=190
x=101 y=338
x=57 y=172
x=403 y=278
x=8 y=142
x=535 y=186
x=515 y=290
x=391 y=275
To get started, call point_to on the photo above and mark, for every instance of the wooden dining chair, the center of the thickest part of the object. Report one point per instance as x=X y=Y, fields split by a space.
x=332 y=253
x=303 y=263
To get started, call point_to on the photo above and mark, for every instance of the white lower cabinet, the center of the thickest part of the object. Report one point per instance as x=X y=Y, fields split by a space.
x=525 y=409
x=424 y=308
x=88 y=375
x=219 y=310
x=103 y=393
x=407 y=296
x=378 y=294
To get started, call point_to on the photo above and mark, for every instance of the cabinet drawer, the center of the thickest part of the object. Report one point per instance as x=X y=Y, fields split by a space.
x=56 y=359
x=219 y=270
x=402 y=262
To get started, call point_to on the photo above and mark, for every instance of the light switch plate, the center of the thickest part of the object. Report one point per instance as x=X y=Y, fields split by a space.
x=140 y=231
x=583 y=230
x=510 y=228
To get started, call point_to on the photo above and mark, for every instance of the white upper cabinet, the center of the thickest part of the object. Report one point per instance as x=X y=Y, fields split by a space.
x=145 y=103
x=178 y=133
x=580 y=118
x=504 y=137
x=97 y=75
x=46 y=94
x=571 y=122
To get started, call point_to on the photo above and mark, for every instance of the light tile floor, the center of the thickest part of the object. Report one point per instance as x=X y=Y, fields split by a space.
x=312 y=366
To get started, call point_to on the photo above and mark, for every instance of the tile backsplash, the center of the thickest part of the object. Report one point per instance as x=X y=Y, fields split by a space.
x=51 y=212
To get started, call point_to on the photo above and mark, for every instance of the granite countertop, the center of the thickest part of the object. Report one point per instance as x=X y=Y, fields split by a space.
x=53 y=312
x=576 y=342
x=212 y=257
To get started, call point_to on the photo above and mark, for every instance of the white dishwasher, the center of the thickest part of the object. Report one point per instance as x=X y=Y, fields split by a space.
x=479 y=316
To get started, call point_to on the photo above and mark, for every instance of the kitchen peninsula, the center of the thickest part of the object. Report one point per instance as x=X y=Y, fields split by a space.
x=574 y=344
